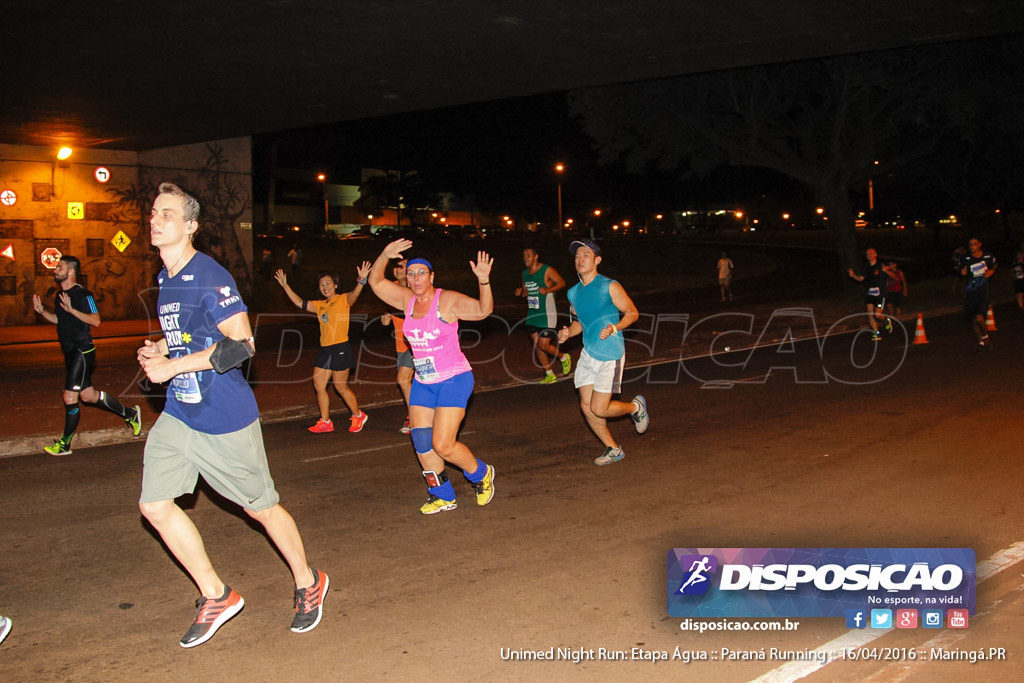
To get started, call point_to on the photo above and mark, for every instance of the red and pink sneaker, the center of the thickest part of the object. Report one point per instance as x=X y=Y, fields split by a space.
x=357 y=422
x=322 y=427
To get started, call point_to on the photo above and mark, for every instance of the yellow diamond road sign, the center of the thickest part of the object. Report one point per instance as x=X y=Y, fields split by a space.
x=121 y=240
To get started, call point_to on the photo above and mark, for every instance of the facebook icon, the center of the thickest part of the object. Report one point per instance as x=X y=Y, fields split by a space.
x=856 y=618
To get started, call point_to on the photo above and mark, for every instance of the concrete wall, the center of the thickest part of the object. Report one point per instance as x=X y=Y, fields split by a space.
x=63 y=206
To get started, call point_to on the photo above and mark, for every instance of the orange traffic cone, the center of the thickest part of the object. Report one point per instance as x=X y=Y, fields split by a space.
x=919 y=335
x=990 y=321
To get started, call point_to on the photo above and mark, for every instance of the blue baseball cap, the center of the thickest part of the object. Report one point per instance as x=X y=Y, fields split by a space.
x=584 y=243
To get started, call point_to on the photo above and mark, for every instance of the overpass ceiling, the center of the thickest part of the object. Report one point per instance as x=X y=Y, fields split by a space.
x=133 y=75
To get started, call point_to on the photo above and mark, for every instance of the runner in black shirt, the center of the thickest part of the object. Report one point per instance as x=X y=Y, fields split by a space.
x=74 y=312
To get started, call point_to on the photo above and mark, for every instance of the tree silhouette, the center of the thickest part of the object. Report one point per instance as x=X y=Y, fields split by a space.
x=832 y=123
x=405 y=191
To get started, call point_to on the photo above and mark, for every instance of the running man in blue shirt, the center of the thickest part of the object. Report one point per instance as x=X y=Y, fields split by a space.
x=603 y=310
x=210 y=425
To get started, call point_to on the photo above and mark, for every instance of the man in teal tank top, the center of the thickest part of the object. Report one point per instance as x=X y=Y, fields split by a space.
x=540 y=282
x=603 y=310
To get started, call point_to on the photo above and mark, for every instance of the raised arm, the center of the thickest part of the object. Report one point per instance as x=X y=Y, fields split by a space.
x=468 y=308
x=391 y=293
x=362 y=274
x=282 y=280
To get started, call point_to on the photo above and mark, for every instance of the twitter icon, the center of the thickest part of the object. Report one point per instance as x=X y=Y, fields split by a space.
x=881 y=618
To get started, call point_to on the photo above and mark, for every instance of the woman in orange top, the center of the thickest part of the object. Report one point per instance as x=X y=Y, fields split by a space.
x=336 y=359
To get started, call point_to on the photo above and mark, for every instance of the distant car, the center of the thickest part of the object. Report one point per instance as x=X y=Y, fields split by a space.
x=355 y=236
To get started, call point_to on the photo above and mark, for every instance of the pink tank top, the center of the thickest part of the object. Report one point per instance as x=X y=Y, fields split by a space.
x=434 y=343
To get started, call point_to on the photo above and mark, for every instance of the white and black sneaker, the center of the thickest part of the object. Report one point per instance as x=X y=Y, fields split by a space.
x=641 y=420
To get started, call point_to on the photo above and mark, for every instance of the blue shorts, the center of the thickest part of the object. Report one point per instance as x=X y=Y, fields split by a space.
x=453 y=392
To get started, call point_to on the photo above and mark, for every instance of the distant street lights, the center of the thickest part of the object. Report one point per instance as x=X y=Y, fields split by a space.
x=559 y=168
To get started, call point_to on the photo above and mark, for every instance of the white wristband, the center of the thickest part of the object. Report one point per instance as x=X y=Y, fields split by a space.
x=615 y=331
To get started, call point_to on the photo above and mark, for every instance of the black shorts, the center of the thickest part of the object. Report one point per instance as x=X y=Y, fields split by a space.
x=336 y=357
x=78 y=367
x=542 y=331
x=878 y=301
x=976 y=303
x=895 y=298
x=1018 y=286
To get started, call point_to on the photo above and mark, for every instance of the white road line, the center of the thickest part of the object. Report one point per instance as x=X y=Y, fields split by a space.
x=795 y=670
x=403 y=443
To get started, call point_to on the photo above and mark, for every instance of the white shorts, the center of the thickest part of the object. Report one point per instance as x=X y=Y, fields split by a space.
x=604 y=375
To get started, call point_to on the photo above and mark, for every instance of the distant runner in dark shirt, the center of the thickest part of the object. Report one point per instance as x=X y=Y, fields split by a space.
x=74 y=312
x=977 y=267
x=876 y=278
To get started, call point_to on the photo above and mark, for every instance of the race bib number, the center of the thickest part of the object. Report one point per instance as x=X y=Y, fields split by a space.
x=874 y=291
x=978 y=269
x=533 y=302
x=425 y=368
x=186 y=388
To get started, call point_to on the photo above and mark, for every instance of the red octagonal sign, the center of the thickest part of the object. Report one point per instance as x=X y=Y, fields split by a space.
x=50 y=257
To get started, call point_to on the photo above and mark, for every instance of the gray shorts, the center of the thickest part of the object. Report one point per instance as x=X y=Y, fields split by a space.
x=233 y=464
x=405 y=359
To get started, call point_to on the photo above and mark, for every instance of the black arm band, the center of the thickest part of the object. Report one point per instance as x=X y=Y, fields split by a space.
x=229 y=354
x=303 y=305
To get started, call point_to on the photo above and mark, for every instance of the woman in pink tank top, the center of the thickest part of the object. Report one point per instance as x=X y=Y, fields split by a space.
x=444 y=379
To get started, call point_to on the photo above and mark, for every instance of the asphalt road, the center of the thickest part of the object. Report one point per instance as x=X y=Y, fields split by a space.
x=858 y=445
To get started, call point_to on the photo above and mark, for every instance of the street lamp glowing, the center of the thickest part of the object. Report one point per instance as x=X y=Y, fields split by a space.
x=559 y=167
x=327 y=207
x=63 y=153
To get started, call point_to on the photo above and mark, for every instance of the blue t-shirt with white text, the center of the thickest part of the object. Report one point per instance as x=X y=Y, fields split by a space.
x=190 y=306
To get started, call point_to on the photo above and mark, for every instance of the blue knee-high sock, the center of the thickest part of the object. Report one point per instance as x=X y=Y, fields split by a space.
x=478 y=474
x=445 y=491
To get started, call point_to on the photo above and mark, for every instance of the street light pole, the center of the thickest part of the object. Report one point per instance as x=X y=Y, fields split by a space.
x=559 y=167
x=327 y=214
